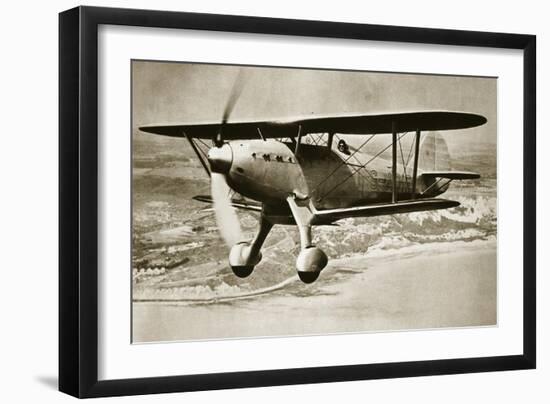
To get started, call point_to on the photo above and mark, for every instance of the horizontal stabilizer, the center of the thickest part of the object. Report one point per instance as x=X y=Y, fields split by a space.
x=451 y=175
x=237 y=203
x=416 y=205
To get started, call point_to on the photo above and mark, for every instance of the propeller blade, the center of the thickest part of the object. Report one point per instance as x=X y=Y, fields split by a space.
x=226 y=215
x=234 y=95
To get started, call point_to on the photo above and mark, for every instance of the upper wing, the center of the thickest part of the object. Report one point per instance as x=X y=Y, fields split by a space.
x=379 y=209
x=346 y=124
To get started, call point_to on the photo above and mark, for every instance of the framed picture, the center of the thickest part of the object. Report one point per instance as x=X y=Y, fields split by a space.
x=251 y=201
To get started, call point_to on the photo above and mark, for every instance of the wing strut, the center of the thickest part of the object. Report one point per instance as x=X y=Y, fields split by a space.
x=329 y=141
x=393 y=162
x=197 y=152
x=297 y=149
x=415 y=166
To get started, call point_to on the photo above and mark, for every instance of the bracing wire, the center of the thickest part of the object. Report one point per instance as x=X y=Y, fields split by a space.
x=353 y=173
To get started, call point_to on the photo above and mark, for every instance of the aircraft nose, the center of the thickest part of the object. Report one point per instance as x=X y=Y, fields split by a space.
x=220 y=158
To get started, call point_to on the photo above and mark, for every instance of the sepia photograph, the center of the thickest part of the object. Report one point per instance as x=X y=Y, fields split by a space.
x=290 y=201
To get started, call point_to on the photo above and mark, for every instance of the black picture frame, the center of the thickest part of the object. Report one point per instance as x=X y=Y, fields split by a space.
x=78 y=201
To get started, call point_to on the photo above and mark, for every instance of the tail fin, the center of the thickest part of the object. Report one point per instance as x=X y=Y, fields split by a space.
x=434 y=153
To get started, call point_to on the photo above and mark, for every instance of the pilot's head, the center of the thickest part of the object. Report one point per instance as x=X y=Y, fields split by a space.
x=342 y=146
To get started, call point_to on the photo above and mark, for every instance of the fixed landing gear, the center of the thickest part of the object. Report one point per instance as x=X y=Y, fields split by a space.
x=308 y=277
x=311 y=260
x=310 y=263
x=244 y=256
x=242 y=272
x=243 y=260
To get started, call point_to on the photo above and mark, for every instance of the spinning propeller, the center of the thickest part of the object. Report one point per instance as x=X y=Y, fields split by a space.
x=234 y=95
x=220 y=158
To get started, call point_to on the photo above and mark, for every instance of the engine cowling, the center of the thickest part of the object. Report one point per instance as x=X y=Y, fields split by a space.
x=267 y=171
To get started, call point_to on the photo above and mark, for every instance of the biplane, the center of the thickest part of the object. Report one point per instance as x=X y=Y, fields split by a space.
x=302 y=172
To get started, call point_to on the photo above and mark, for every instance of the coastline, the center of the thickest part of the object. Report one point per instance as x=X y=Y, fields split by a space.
x=432 y=285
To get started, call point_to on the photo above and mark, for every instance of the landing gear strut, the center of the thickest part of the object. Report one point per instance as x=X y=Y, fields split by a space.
x=244 y=256
x=311 y=260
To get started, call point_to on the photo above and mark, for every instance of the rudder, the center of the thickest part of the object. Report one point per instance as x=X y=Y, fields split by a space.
x=434 y=153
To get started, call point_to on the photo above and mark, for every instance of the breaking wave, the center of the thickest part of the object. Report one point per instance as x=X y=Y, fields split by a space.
x=475 y=219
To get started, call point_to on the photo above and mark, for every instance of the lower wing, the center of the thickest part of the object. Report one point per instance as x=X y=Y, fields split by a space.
x=379 y=209
x=324 y=217
x=237 y=203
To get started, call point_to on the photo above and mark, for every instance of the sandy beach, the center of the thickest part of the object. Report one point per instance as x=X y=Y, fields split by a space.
x=432 y=286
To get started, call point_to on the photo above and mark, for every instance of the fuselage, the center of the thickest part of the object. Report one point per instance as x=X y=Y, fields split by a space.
x=269 y=171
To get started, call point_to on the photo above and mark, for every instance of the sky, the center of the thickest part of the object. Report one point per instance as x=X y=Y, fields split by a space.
x=171 y=92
